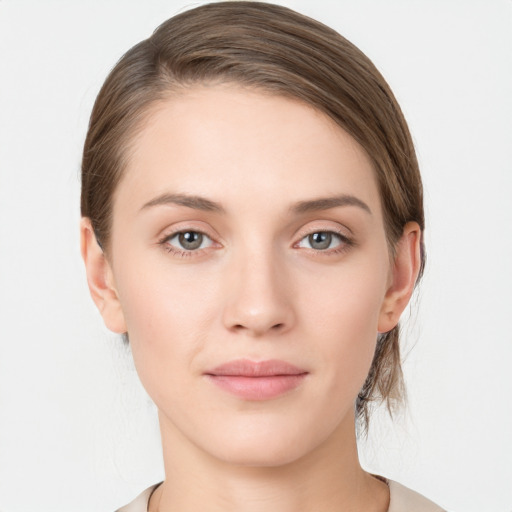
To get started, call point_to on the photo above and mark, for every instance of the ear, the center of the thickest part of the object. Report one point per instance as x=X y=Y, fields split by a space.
x=403 y=276
x=100 y=279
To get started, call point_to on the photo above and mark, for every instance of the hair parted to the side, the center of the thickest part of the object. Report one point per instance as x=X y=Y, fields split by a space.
x=273 y=49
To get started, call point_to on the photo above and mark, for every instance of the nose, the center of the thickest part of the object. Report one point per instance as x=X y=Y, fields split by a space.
x=259 y=296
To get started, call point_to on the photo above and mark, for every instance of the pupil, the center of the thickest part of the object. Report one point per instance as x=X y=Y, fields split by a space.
x=191 y=240
x=321 y=240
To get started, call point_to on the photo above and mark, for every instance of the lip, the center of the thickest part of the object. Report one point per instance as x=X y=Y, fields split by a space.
x=257 y=380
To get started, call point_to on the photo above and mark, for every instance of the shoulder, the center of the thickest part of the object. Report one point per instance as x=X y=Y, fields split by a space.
x=403 y=499
x=140 y=503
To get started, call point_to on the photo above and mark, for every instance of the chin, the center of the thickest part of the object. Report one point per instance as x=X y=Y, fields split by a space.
x=260 y=454
x=263 y=443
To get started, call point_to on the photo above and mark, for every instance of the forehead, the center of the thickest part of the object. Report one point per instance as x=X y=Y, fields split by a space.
x=231 y=143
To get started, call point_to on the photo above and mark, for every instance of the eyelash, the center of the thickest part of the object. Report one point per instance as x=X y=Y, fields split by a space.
x=345 y=243
x=182 y=253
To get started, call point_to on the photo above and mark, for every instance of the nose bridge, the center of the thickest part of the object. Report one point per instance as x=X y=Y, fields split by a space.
x=258 y=299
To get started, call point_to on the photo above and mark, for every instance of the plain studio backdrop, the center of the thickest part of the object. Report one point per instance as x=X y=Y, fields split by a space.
x=78 y=433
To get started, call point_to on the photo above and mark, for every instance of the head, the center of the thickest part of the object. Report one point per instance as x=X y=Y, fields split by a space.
x=227 y=51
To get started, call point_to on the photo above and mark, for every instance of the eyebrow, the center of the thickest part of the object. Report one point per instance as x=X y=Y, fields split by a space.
x=325 y=203
x=207 y=205
x=195 y=202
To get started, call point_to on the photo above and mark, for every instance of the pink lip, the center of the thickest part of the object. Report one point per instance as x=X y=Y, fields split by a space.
x=261 y=380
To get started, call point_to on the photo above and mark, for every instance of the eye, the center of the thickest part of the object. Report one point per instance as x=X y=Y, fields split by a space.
x=323 y=240
x=187 y=241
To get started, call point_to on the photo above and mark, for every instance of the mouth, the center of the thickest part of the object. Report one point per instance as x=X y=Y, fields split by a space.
x=257 y=381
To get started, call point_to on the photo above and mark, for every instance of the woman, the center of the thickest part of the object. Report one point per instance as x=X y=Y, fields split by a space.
x=252 y=222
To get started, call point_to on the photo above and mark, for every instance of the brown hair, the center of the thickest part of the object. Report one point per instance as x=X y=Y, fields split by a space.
x=274 y=49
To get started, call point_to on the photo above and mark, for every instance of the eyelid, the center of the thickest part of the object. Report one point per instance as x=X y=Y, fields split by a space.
x=346 y=240
x=184 y=227
x=327 y=227
x=168 y=239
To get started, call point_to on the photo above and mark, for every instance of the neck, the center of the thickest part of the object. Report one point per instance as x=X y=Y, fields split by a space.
x=328 y=478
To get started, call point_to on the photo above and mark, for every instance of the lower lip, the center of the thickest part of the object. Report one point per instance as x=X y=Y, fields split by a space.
x=257 y=388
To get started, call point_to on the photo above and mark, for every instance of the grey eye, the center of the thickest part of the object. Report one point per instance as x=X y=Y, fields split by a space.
x=321 y=240
x=190 y=240
x=187 y=242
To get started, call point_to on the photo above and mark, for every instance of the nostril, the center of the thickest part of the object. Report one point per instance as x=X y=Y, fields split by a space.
x=241 y=327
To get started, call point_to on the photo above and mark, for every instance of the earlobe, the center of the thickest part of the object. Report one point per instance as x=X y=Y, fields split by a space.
x=100 y=279
x=406 y=267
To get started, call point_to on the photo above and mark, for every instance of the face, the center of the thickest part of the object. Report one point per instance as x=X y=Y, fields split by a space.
x=251 y=269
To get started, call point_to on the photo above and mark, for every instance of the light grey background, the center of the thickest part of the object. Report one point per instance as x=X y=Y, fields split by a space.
x=77 y=433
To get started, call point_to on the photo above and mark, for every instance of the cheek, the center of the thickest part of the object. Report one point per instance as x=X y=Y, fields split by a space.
x=341 y=312
x=168 y=316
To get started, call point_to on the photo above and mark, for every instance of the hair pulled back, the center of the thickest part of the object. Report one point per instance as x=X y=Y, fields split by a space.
x=273 y=49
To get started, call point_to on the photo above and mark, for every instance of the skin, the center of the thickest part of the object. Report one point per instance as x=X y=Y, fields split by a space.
x=257 y=288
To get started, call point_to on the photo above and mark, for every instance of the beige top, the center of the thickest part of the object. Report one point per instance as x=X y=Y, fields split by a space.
x=402 y=499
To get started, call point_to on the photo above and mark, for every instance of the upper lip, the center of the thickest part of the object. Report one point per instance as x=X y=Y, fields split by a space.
x=247 y=368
